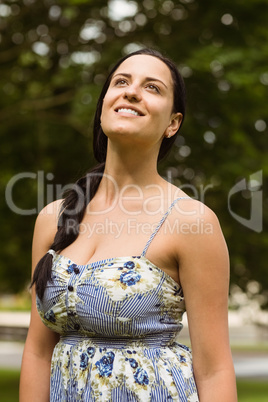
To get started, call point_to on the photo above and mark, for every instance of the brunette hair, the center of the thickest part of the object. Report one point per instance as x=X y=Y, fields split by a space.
x=76 y=200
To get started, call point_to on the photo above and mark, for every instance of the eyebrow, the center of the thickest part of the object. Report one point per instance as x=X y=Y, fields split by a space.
x=146 y=79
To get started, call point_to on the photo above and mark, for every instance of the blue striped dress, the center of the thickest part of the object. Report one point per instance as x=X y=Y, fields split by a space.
x=119 y=321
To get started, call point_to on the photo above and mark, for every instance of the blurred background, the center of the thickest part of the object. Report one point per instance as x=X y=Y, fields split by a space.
x=54 y=57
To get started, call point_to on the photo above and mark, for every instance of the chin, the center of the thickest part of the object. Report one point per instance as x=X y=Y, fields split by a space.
x=120 y=131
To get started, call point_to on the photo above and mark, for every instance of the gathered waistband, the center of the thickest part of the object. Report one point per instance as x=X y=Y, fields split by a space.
x=157 y=340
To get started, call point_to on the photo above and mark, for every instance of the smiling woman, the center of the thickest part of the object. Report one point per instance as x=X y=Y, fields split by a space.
x=112 y=300
x=140 y=106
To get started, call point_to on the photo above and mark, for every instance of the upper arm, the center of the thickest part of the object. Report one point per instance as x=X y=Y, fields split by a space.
x=40 y=339
x=204 y=275
x=44 y=231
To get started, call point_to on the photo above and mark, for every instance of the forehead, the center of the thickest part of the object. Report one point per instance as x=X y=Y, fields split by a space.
x=146 y=65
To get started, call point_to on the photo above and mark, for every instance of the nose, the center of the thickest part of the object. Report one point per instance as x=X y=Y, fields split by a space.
x=132 y=93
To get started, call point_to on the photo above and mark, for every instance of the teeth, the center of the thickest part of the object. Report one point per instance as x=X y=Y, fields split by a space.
x=128 y=111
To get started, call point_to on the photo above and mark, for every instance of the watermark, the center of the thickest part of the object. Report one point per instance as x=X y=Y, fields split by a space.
x=253 y=187
x=133 y=227
x=131 y=194
x=123 y=198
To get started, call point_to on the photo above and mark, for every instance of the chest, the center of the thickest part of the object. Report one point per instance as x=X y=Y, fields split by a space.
x=113 y=235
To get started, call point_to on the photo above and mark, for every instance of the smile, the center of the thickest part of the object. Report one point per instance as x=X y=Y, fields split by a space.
x=125 y=110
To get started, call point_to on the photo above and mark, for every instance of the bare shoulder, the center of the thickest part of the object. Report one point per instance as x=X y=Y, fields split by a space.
x=198 y=227
x=52 y=209
x=49 y=215
x=191 y=210
x=45 y=229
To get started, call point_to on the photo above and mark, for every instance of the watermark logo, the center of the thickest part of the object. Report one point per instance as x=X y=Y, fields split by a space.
x=253 y=186
x=48 y=192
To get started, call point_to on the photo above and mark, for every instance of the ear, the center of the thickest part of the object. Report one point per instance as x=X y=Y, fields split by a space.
x=174 y=125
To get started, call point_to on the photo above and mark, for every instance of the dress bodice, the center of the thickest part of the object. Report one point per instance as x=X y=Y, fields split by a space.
x=117 y=297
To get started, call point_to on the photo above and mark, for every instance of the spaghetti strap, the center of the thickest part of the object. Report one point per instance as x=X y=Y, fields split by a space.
x=160 y=224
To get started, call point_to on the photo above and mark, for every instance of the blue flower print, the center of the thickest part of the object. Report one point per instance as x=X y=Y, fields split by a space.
x=50 y=316
x=130 y=278
x=70 y=269
x=83 y=361
x=141 y=376
x=129 y=265
x=182 y=359
x=90 y=351
x=184 y=347
x=133 y=363
x=105 y=364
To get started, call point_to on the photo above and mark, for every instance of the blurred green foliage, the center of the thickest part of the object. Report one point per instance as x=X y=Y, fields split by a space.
x=54 y=57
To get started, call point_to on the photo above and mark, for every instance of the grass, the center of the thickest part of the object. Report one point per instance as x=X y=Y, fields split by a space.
x=248 y=390
x=252 y=391
x=9 y=385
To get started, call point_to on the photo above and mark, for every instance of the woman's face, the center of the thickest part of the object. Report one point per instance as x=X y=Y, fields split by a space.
x=139 y=102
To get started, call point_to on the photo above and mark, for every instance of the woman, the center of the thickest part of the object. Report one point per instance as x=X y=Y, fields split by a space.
x=114 y=274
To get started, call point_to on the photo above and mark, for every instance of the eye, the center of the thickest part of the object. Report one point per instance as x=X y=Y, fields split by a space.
x=153 y=87
x=120 y=81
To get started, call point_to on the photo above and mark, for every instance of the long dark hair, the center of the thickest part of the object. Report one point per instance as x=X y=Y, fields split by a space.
x=76 y=200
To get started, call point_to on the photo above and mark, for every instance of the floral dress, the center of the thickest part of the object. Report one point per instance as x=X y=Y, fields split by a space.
x=119 y=321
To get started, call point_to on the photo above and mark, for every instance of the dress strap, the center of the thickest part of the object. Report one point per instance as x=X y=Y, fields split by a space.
x=160 y=224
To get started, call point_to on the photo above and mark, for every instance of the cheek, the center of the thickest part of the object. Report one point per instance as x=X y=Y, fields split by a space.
x=107 y=103
x=104 y=107
x=162 y=115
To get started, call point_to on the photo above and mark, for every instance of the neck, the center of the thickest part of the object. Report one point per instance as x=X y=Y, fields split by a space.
x=129 y=172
